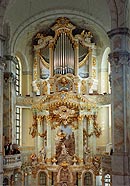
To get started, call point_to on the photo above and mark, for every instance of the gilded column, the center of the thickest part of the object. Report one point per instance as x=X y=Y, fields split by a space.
x=1 y=121
x=120 y=82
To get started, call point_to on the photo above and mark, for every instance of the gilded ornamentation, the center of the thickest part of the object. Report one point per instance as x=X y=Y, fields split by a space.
x=42 y=41
x=83 y=87
x=94 y=61
x=43 y=135
x=63 y=83
x=33 y=128
x=85 y=60
x=84 y=38
x=96 y=129
x=64 y=112
x=94 y=73
x=44 y=88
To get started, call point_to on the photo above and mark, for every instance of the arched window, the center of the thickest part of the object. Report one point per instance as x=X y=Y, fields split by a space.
x=42 y=179
x=88 y=180
x=105 y=72
x=107 y=180
x=5 y=181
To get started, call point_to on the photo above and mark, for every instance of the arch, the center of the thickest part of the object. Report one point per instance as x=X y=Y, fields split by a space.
x=88 y=179
x=6 y=181
x=64 y=175
x=107 y=179
x=48 y=16
x=92 y=176
x=42 y=178
x=23 y=61
x=25 y=73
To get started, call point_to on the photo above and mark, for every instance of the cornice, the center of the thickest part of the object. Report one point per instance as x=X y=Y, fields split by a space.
x=119 y=31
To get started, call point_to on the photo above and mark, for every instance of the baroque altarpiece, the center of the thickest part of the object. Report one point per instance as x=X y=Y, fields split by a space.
x=65 y=106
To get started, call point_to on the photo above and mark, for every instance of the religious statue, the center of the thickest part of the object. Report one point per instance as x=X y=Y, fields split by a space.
x=43 y=154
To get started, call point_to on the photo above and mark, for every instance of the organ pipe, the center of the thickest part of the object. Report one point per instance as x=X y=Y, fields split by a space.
x=63 y=55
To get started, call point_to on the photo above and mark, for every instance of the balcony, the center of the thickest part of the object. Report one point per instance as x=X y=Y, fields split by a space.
x=12 y=161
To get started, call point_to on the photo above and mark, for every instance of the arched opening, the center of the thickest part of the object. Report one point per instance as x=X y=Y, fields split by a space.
x=107 y=180
x=42 y=179
x=5 y=181
x=105 y=72
x=88 y=179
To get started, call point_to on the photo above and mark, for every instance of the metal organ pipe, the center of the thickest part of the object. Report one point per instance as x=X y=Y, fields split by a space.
x=63 y=55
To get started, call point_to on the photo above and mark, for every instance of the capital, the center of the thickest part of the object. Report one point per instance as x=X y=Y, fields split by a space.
x=119 y=58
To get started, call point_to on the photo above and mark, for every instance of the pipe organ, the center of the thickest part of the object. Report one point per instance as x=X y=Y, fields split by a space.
x=64 y=50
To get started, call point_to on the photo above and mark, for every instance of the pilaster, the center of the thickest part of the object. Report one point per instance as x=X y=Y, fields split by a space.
x=120 y=82
x=1 y=120
x=80 y=139
x=48 y=150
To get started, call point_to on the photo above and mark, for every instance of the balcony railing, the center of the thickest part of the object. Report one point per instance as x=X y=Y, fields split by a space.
x=12 y=161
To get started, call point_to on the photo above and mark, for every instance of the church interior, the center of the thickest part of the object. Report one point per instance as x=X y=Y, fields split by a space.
x=64 y=93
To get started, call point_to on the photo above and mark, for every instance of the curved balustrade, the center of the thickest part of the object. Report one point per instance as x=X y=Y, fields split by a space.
x=12 y=161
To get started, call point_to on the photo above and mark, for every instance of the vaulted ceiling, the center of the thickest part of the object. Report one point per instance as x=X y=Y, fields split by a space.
x=23 y=19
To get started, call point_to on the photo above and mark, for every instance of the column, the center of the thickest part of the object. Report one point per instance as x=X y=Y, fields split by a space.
x=1 y=121
x=120 y=82
x=48 y=148
x=51 y=56
x=40 y=131
x=80 y=139
x=76 y=58
x=89 y=130
x=9 y=99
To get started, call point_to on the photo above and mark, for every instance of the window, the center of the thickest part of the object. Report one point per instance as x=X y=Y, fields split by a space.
x=18 y=125
x=17 y=179
x=18 y=92
x=42 y=179
x=107 y=180
x=88 y=181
